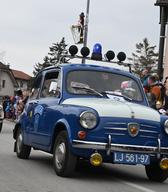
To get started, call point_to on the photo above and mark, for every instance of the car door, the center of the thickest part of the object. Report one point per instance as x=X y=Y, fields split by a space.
x=29 y=122
x=49 y=96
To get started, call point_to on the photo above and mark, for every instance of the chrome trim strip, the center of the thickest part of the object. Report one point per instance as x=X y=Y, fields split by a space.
x=148 y=131
x=119 y=147
x=114 y=134
x=150 y=126
x=115 y=128
x=125 y=129
x=145 y=136
x=116 y=123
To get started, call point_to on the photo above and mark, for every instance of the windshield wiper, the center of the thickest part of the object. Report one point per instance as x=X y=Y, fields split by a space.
x=117 y=94
x=88 y=89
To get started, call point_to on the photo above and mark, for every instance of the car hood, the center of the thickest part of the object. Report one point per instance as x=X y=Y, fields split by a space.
x=112 y=108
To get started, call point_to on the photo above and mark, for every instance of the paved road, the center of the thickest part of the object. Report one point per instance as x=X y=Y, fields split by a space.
x=37 y=174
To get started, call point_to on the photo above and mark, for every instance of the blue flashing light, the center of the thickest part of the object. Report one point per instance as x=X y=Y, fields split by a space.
x=97 y=52
x=97 y=48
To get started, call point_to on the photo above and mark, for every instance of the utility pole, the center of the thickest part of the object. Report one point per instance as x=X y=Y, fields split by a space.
x=86 y=28
x=163 y=21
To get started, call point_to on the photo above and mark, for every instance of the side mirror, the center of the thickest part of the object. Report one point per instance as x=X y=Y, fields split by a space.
x=53 y=87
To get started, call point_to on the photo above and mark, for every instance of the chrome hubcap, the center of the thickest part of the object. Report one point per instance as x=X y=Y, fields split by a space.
x=60 y=155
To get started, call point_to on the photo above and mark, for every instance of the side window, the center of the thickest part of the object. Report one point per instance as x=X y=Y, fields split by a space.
x=36 y=87
x=51 y=87
x=21 y=83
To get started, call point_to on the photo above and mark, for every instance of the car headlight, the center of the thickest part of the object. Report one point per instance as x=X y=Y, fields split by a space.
x=166 y=126
x=88 y=119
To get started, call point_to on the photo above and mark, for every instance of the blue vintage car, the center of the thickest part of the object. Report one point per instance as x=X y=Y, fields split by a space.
x=96 y=113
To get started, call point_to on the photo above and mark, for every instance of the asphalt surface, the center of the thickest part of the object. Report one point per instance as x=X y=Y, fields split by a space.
x=37 y=174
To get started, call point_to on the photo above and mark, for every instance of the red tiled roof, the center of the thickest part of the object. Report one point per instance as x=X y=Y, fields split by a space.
x=20 y=75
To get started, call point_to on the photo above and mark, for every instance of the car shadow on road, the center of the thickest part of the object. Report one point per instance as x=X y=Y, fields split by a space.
x=42 y=159
x=106 y=172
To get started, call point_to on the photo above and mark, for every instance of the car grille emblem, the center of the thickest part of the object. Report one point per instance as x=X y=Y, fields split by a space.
x=133 y=129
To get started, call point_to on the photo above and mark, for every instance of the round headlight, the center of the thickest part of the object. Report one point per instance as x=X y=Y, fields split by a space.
x=166 y=126
x=88 y=120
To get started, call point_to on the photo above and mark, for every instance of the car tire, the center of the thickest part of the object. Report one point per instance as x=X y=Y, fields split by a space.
x=22 y=151
x=63 y=160
x=1 y=127
x=155 y=173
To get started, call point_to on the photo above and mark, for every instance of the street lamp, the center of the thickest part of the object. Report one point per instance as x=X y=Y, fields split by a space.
x=163 y=20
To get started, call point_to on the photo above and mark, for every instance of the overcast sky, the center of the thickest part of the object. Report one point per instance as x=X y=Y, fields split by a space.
x=29 y=27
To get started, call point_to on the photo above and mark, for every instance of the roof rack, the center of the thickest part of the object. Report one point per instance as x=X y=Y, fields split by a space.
x=97 y=55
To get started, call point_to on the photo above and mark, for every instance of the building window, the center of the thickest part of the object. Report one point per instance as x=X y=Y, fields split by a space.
x=3 y=83
x=21 y=83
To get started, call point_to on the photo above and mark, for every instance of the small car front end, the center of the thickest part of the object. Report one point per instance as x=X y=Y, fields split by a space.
x=120 y=133
x=119 y=128
x=123 y=127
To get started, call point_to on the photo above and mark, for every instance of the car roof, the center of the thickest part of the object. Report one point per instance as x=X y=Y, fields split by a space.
x=88 y=67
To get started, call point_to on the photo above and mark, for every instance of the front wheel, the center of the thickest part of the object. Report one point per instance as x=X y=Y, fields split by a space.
x=64 y=161
x=1 y=126
x=22 y=151
x=155 y=173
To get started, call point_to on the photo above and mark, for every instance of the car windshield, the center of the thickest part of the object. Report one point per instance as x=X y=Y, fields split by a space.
x=102 y=83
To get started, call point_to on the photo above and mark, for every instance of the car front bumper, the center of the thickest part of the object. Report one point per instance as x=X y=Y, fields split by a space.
x=110 y=147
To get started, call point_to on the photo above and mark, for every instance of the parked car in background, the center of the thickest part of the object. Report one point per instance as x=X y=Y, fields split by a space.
x=1 y=117
x=100 y=114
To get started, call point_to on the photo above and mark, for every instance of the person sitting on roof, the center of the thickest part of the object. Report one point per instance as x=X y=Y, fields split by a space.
x=80 y=26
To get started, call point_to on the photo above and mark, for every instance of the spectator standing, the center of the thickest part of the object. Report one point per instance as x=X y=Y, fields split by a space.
x=165 y=101
x=7 y=108
x=144 y=78
x=154 y=90
x=19 y=103
x=4 y=103
x=22 y=99
x=154 y=87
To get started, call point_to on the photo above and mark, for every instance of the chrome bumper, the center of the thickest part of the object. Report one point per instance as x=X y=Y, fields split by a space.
x=110 y=147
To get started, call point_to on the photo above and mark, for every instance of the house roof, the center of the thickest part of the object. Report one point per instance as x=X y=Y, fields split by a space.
x=2 y=66
x=8 y=70
x=20 y=75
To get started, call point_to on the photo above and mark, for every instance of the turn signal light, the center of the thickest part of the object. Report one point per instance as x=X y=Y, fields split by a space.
x=81 y=134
